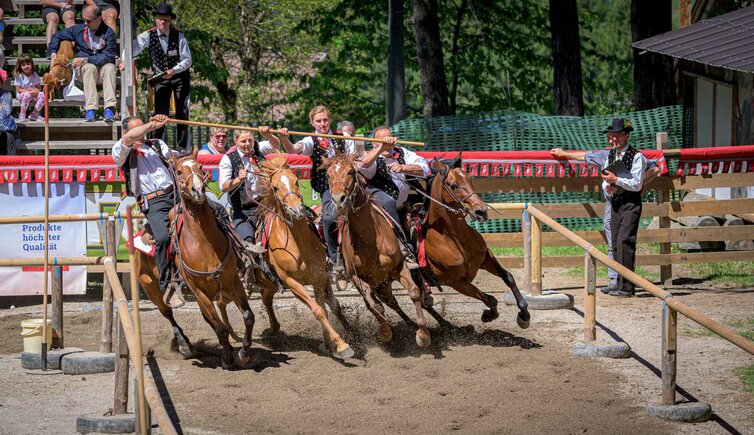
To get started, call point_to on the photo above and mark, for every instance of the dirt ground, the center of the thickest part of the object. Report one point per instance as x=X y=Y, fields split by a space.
x=475 y=378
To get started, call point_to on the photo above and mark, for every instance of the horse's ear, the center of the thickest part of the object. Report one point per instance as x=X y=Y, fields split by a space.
x=353 y=157
x=195 y=152
x=457 y=161
x=173 y=158
x=326 y=163
x=438 y=166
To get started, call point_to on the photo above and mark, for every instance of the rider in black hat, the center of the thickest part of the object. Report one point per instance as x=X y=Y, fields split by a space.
x=171 y=60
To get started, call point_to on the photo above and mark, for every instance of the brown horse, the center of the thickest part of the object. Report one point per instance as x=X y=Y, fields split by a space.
x=296 y=252
x=206 y=261
x=370 y=248
x=455 y=250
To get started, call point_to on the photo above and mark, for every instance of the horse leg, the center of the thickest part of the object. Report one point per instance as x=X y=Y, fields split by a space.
x=222 y=307
x=385 y=292
x=238 y=297
x=210 y=315
x=342 y=349
x=152 y=289
x=268 y=293
x=423 y=338
x=375 y=307
x=334 y=304
x=472 y=291
x=492 y=266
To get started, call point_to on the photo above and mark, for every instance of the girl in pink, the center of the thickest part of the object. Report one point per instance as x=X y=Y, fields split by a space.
x=28 y=87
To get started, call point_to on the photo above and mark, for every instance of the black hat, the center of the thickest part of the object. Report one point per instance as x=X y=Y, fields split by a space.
x=164 y=9
x=619 y=124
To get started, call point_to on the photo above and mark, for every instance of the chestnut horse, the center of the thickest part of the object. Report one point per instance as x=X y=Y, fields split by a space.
x=206 y=261
x=370 y=248
x=455 y=250
x=296 y=252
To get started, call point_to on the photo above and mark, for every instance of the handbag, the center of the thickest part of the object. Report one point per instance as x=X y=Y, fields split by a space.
x=72 y=92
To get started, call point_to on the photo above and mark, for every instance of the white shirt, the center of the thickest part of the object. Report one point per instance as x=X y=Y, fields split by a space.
x=151 y=172
x=142 y=41
x=638 y=166
x=251 y=186
x=411 y=158
x=308 y=145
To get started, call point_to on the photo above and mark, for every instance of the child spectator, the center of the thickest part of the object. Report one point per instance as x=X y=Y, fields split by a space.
x=7 y=123
x=28 y=87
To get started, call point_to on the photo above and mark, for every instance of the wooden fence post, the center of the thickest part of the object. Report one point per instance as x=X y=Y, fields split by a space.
x=663 y=197
x=120 y=404
x=526 y=229
x=137 y=411
x=590 y=297
x=57 y=308
x=669 y=347
x=536 y=257
x=111 y=247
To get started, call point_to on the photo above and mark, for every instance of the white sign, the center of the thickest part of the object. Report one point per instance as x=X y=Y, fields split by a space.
x=65 y=239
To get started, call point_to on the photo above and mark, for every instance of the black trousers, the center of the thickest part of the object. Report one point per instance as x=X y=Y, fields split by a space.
x=163 y=89
x=245 y=222
x=624 y=224
x=157 y=216
x=8 y=143
x=329 y=217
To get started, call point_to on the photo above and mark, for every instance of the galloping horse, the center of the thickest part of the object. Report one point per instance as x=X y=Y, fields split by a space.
x=456 y=251
x=206 y=261
x=370 y=248
x=296 y=252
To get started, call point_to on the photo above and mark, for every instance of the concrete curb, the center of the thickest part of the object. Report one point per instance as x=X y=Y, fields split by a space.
x=549 y=300
x=121 y=423
x=593 y=350
x=689 y=412
x=84 y=363
x=33 y=360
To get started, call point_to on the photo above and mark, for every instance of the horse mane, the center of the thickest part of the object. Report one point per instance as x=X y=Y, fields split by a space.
x=272 y=164
x=338 y=157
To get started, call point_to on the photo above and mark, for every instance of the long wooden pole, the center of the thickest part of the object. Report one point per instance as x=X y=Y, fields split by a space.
x=295 y=133
x=57 y=307
x=106 y=341
x=590 y=298
x=60 y=261
x=46 y=265
x=536 y=256
x=682 y=308
x=669 y=347
x=138 y=361
x=75 y=217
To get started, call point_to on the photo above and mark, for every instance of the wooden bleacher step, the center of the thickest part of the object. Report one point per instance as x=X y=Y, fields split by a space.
x=36 y=145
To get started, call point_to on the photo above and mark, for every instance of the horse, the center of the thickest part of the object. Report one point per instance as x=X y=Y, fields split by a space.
x=205 y=260
x=296 y=252
x=370 y=247
x=455 y=251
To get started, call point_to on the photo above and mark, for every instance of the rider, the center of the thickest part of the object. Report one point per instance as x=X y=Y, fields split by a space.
x=149 y=179
x=320 y=149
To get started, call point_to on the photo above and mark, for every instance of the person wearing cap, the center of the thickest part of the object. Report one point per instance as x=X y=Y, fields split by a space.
x=171 y=59
x=623 y=192
x=94 y=45
x=7 y=123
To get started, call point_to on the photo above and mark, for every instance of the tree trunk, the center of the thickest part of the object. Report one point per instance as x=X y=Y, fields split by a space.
x=654 y=84
x=566 y=58
x=228 y=99
x=429 y=55
x=396 y=73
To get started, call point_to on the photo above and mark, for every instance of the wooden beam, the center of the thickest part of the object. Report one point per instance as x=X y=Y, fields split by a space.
x=641 y=260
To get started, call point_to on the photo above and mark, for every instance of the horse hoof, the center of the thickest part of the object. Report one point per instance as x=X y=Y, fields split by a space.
x=344 y=354
x=386 y=334
x=489 y=315
x=428 y=300
x=187 y=351
x=228 y=365
x=275 y=327
x=423 y=339
x=523 y=321
x=241 y=358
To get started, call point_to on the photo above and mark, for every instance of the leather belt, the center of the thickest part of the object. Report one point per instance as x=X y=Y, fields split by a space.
x=153 y=195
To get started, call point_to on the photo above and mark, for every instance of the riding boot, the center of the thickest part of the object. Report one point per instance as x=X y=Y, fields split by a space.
x=269 y=272
x=407 y=250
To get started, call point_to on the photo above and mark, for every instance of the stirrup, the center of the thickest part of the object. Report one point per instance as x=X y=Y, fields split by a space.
x=171 y=296
x=256 y=248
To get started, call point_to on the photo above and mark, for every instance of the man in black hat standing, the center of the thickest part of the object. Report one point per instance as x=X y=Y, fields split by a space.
x=623 y=187
x=171 y=60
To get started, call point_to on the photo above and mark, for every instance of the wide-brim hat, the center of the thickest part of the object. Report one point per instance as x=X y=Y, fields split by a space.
x=164 y=9
x=618 y=125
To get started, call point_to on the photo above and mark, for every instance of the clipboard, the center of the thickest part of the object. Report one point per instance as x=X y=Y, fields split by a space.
x=156 y=76
x=619 y=169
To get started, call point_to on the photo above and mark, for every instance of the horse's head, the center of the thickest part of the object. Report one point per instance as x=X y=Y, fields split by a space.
x=342 y=177
x=190 y=177
x=458 y=190
x=283 y=184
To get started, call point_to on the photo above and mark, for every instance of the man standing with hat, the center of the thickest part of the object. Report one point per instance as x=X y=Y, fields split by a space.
x=171 y=59
x=623 y=187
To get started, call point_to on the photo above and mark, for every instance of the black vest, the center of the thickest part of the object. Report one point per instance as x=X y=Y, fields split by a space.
x=319 y=176
x=130 y=165
x=628 y=161
x=383 y=180
x=160 y=59
x=236 y=164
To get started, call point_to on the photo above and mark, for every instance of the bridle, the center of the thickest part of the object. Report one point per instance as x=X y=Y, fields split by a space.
x=460 y=202
x=352 y=195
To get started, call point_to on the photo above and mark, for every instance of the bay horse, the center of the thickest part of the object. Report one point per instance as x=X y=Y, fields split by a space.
x=206 y=261
x=296 y=252
x=455 y=251
x=370 y=248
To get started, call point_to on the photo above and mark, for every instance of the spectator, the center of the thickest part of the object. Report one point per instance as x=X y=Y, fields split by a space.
x=171 y=59
x=217 y=142
x=2 y=38
x=624 y=193
x=110 y=11
x=347 y=128
x=55 y=11
x=7 y=123
x=94 y=45
x=28 y=87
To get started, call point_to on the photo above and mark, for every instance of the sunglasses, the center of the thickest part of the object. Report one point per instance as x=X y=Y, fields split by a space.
x=91 y=21
x=221 y=136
